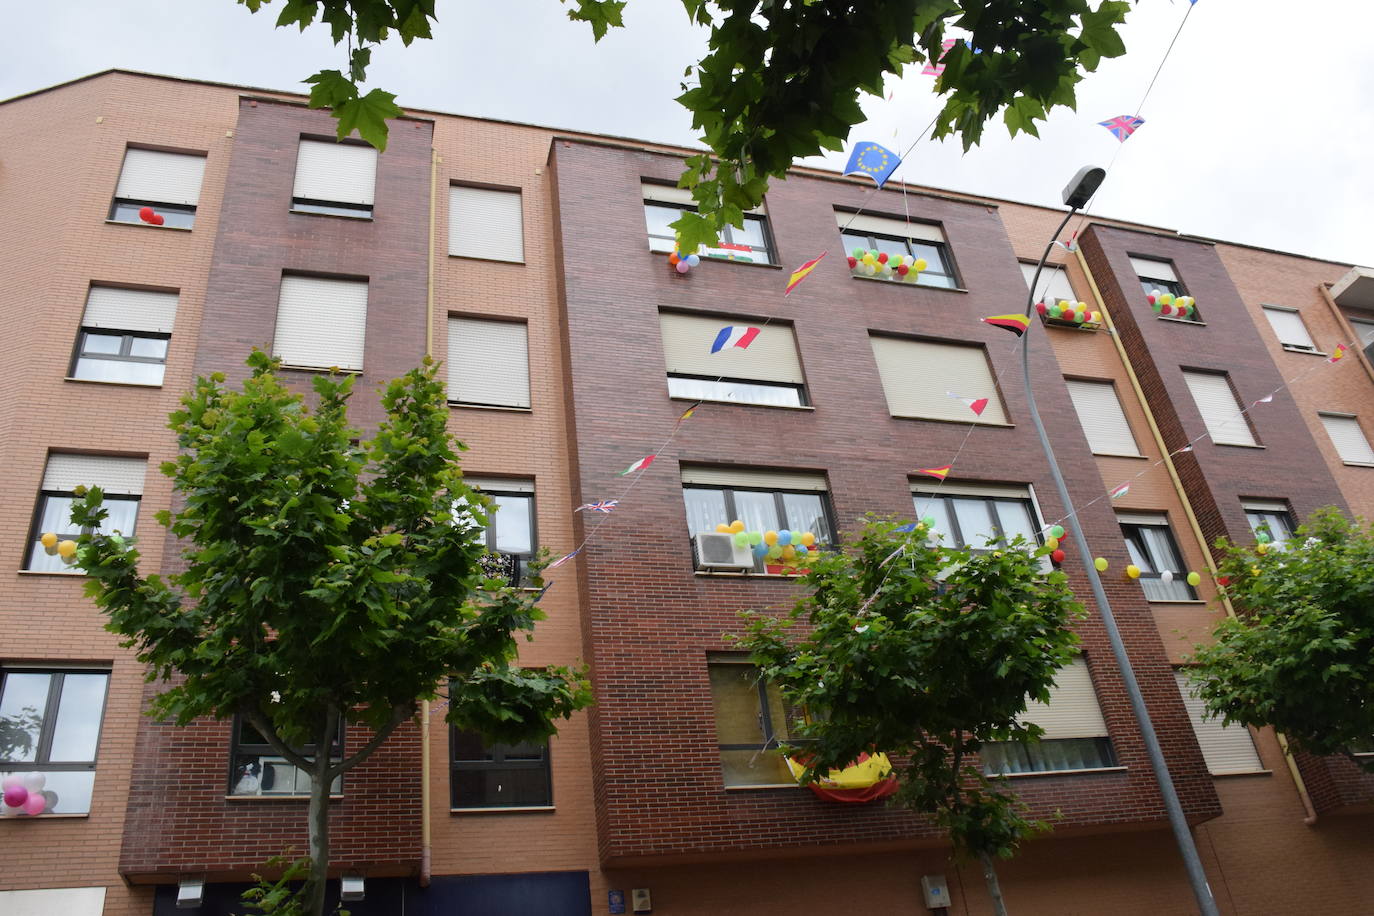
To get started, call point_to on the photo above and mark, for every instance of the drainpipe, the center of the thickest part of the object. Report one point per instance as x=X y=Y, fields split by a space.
x=1298 y=782
x=425 y=826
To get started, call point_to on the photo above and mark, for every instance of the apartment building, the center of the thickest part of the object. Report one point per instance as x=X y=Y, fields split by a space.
x=536 y=263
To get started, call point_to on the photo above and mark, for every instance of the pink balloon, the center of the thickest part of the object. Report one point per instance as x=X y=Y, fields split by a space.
x=12 y=780
x=35 y=803
x=683 y=267
x=16 y=796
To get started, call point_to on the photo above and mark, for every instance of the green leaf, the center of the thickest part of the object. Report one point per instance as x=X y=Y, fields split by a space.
x=331 y=89
x=1099 y=28
x=368 y=116
x=602 y=15
x=357 y=65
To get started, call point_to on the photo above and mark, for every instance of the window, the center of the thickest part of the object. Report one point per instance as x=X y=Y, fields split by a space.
x=257 y=769
x=898 y=236
x=918 y=375
x=1350 y=441
x=763 y=500
x=664 y=204
x=1272 y=518
x=1152 y=548
x=169 y=183
x=1220 y=409
x=498 y=775
x=752 y=719
x=321 y=323
x=1054 y=283
x=124 y=335
x=488 y=363
x=486 y=224
x=1288 y=326
x=509 y=535
x=971 y=515
x=1075 y=735
x=767 y=372
x=335 y=178
x=1158 y=275
x=1365 y=330
x=1227 y=749
x=1104 y=422
x=49 y=732
x=120 y=478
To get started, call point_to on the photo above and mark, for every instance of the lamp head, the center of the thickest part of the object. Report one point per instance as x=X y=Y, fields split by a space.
x=1083 y=186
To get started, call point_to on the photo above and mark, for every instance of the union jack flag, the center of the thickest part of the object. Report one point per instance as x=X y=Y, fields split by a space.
x=601 y=505
x=1122 y=126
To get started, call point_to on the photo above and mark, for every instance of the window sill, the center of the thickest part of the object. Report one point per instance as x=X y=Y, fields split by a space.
x=1188 y=321
x=1085 y=772
x=1357 y=464
x=44 y=572
x=360 y=218
x=526 y=809
x=957 y=422
x=1310 y=351
x=766 y=785
x=473 y=257
x=1116 y=455
x=149 y=225
x=322 y=370
x=744 y=574
x=903 y=283
x=1237 y=444
x=1175 y=600
x=275 y=798
x=802 y=407
x=1242 y=773
x=44 y=817
x=101 y=381
x=706 y=260
x=496 y=407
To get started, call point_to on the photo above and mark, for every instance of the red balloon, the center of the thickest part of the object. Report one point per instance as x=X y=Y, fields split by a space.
x=882 y=257
x=1041 y=308
x=1223 y=580
x=1167 y=310
x=903 y=270
x=158 y=219
x=1151 y=299
x=1068 y=315
x=853 y=262
x=1057 y=556
x=148 y=215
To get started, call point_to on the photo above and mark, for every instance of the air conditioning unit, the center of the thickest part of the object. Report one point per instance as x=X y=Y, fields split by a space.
x=719 y=551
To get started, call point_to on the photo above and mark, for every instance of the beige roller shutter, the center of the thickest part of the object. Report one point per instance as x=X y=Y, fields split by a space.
x=1103 y=420
x=1053 y=286
x=500 y=484
x=771 y=357
x=488 y=362
x=885 y=225
x=919 y=376
x=1348 y=438
x=485 y=224
x=344 y=173
x=122 y=476
x=321 y=323
x=667 y=194
x=963 y=488
x=165 y=178
x=1287 y=324
x=747 y=477
x=1072 y=711
x=1153 y=270
x=130 y=310
x=1225 y=748
x=1220 y=411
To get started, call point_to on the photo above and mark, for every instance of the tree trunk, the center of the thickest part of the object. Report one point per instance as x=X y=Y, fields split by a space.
x=999 y=908
x=313 y=893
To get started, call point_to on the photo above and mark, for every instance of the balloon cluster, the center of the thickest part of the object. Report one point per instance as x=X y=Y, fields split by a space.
x=25 y=793
x=681 y=264
x=151 y=216
x=55 y=548
x=1069 y=312
x=1167 y=576
x=874 y=263
x=1262 y=540
x=1056 y=534
x=784 y=548
x=1167 y=304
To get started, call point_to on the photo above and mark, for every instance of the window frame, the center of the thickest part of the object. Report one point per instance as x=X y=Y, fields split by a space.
x=1174 y=287
x=175 y=216
x=1109 y=385
x=1259 y=511
x=123 y=356
x=725 y=382
x=1362 y=326
x=1136 y=539
x=1309 y=347
x=994 y=517
x=727 y=233
x=779 y=507
x=1324 y=415
x=238 y=748
x=949 y=268
x=518 y=572
x=33 y=544
x=315 y=206
x=1034 y=756
x=42 y=762
x=498 y=764
x=767 y=729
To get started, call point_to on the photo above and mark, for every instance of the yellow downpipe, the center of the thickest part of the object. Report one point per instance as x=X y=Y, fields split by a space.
x=1306 y=798
x=425 y=825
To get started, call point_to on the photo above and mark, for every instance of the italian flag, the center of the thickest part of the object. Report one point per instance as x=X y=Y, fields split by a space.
x=639 y=465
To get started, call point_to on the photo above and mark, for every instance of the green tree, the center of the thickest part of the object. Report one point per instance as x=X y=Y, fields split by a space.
x=326 y=581
x=925 y=653
x=781 y=80
x=1299 y=655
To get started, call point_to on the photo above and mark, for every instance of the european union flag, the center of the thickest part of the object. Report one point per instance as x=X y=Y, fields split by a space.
x=875 y=161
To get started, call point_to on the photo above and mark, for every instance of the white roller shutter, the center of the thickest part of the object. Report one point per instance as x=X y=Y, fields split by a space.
x=1219 y=408
x=1225 y=748
x=485 y=224
x=747 y=477
x=69 y=901
x=1348 y=438
x=963 y=488
x=668 y=194
x=886 y=225
x=1153 y=270
x=1287 y=324
x=771 y=357
x=344 y=173
x=1072 y=711
x=130 y=310
x=321 y=323
x=1053 y=286
x=165 y=178
x=500 y=484
x=122 y=476
x=919 y=376
x=1103 y=420
x=488 y=362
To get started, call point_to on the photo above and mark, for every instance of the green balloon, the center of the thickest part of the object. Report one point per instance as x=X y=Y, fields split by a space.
x=928 y=521
x=1057 y=531
x=775 y=551
x=858 y=254
x=755 y=537
x=741 y=539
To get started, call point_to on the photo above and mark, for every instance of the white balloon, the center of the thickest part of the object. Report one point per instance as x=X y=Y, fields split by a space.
x=1166 y=576
x=35 y=782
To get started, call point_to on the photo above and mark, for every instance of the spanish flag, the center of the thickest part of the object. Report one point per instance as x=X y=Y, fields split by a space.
x=1338 y=353
x=1017 y=324
x=801 y=273
x=939 y=473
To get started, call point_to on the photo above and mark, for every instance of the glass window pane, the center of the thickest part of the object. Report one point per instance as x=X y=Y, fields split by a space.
x=894 y=246
x=23 y=706
x=806 y=512
x=123 y=514
x=116 y=370
x=468 y=746
x=101 y=343
x=56 y=515
x=854 y=240
x=1157 y=542
x=76 y=730
x=657 y=219
x=735 y=696
x=149 y=347
x=65 y=792
x=705 y=510
x=1014 y=517
x=758 y=511
x=513 y=520
x=499 y=787
x=755 y=768
x=938 y=271
x=752 y=234
x=935 y=507
x=975 y=522
x=736 y=392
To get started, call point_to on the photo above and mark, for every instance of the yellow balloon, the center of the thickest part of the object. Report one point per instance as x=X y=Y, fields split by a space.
x=770 y=537
x=1100 y=564
x=869 y=260
x=1261 y=549
x=722 y=528
x=1133 y=571
x=1052 y=543
x=49 y=539
x=789 y=552
x=921 y=264
x=736 y=526
x=1082 y=306
x=66 y=549
x=808 y=538
x=1194 y=579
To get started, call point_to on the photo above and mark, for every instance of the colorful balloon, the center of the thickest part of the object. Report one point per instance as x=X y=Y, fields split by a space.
x=789 y=552
x=921 y=264
x=760 y=551
x=1052 y=542
x=682 y=267
x=741 y=539
x=1057 y=556
x=1166 y=577
x=722 y=528
x=1057 y=532
x=1041 y=308
x=755 y=537
x=1194 y=579
x=736 y=526
x=1100 y=564
x=784 y=537
x=802 y=550
x=1133 y=571
x=48 y=539
x=853 y=262
x=808 y=539
x=693 y=259
x=16 y=795
x=35 y=804
x=66 y=549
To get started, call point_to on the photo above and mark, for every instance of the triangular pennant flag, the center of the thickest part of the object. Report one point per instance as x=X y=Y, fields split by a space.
x=1267 y=399
x=801 y=273
x=639 y=465
x=565 y=558
x=1338 y=353
x=601 y=505
x=686 y=414
x=977 y=405
x=935 y=68
x=939 y=473
x=1122 y=126
x=734 y=336
x=1121 y=490
x=1017 y=324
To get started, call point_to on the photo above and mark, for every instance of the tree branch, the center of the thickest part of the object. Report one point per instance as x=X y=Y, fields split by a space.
x=402 y=712
x=258 y=720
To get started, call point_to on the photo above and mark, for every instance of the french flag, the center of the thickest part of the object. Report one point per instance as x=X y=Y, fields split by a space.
x=734 y=336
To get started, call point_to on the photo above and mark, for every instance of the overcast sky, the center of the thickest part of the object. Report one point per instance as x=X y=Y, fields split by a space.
x=1258 y=130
